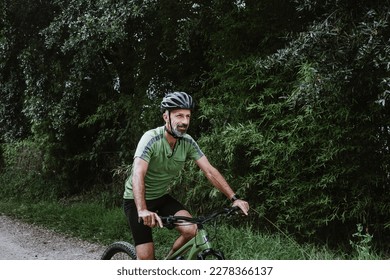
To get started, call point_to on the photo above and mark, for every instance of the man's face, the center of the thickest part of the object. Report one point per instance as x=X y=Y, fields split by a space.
x=180 y=121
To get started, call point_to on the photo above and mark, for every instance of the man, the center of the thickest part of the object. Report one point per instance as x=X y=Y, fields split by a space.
x=159 y=157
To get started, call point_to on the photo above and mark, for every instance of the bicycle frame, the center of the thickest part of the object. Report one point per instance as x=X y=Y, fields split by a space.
x=198 y=248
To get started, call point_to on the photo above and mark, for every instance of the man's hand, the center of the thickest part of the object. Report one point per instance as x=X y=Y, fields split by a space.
x=149 y=218
x=243 y=205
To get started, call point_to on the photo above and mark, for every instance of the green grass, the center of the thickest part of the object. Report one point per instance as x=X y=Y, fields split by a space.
x=89 y=221
x=92 y=221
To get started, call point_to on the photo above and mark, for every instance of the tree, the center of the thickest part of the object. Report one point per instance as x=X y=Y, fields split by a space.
x=20 y=22
x=307 y=130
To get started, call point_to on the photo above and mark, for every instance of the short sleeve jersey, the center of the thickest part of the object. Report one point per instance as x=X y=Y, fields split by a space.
x=164 y=163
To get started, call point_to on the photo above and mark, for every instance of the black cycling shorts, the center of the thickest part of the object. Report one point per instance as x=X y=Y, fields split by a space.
x=163 y=206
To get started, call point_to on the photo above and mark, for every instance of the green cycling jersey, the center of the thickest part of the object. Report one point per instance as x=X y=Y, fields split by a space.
x=164 y=162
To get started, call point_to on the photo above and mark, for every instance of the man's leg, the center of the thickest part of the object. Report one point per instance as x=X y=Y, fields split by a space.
x=186 y=232
x=145 y=251
x=142 y=235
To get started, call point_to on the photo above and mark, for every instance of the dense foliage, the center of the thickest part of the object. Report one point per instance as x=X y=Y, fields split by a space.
x=293 y=100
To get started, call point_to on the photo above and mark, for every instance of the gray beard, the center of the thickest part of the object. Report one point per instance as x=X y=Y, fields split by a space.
x=178 y=133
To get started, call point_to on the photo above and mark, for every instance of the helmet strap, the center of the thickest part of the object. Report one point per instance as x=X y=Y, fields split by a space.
x=171 y=132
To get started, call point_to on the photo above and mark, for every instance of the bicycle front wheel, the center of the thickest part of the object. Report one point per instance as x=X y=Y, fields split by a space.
x=119 y=251
x=211 y=254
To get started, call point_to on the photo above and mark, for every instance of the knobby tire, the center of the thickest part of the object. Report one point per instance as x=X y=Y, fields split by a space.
x=119 y=251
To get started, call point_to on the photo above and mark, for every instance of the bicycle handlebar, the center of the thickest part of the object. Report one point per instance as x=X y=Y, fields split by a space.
x=172 y=221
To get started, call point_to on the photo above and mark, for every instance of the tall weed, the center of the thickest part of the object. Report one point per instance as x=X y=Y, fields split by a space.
x=362 y=244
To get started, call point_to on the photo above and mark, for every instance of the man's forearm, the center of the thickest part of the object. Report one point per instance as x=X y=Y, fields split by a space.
x=218 y=181
x=139 y=193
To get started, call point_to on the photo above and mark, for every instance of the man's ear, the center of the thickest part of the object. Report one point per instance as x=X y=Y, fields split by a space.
x=165 y=116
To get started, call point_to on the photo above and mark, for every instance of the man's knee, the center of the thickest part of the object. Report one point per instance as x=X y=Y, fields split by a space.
x=189 y=232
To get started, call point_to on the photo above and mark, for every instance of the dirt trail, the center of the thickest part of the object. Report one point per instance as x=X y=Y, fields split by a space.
x=22 y=241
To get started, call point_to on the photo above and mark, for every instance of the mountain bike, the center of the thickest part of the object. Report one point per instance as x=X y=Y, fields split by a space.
x=198 y=248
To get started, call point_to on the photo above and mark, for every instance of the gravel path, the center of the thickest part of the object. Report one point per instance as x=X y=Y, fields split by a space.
x=22 y=241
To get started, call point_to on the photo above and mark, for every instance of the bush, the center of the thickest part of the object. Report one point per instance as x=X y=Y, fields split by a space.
x=24 y=156
x=25 y=176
